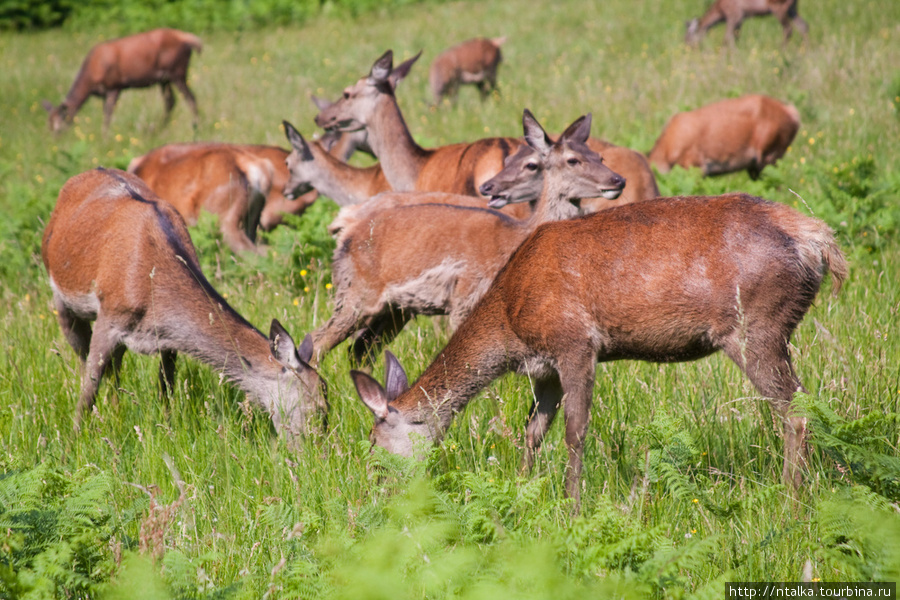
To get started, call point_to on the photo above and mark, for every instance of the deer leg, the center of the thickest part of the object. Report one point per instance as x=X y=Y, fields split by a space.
x=168 y=100
x=231 y=225
x=109 y=103
x=182 y=86
x=548 y=395
x=254 y=213
x=342 y=324
x=167 y=359
x=576 y=374
x=379 y=332
x=104 y=344
x=771 y=372
x=76 y=330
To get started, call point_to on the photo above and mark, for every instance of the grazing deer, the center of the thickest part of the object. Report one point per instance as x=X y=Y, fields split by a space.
x=667 y=280
x=121 y=257
x=160 y=56
x=522 y=180
x=458 y=168
x=474 y=61
x=240 y=183
x=733 y=12
x=731 y=135
x=434 y=259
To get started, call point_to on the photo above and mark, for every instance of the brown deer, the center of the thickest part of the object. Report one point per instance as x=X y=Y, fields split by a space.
x=667 y=280
x=434 y=259
x=240 y=183
x=359 y=191
x=474 y=61
x=733 y=12
x=160 y=56
x=119 y=256
x=730 y=135
x=521 y=180
x=458 y=168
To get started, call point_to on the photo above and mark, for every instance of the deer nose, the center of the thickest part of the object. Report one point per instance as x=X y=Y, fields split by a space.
x=487 y=188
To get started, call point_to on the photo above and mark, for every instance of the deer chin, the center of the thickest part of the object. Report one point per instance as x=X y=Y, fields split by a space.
x=498 y=201
x=611 y=194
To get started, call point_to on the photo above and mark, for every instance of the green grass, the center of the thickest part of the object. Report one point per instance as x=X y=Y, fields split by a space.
x=198 y=498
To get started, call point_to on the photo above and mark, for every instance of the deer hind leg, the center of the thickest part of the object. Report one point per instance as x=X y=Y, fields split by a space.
x=109 y=103
x=342 y=324
x=182 y=86
x=767 y=363
x=380 y=331
x=167 y=363
x=168 y=100
x=548 y=395
x=105 y=349
x=76 y=330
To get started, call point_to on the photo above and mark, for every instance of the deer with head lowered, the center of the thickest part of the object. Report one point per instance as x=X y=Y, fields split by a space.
x=733 y=12
x=433 y=259
x=242 y=184
x=160 y=56
x=121 y=257
x=730 y=135
x=667 y=280
x=473 y=62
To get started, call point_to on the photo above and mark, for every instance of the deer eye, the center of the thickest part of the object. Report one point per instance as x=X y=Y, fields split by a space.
x=573 y=162
x=531 y=166
x=346 y=95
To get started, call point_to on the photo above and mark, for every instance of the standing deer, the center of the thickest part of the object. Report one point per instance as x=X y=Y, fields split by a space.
x=370 y=103
x=119 y=256
x=474 y=61
x=733 y=12
x=434 y=259
x=730 y=135
x=667 y=280
x=522 y=180
x=160 y=56
x=359 y=191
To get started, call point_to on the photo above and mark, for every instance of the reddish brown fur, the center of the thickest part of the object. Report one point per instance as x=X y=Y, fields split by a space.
x=474 y=61
x=749 y=133
x=427 y=257
x=733 y=12
x=668 y=280
x=120 y=257
x=242 y=184
x=160 y=56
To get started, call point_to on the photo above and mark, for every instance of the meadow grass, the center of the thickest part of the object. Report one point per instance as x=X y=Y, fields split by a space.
x=197 y=498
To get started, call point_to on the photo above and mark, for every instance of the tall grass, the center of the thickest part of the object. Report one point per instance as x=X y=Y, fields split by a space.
x=196 y=498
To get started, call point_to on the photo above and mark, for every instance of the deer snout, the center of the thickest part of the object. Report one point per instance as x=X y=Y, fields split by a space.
x=614 y=188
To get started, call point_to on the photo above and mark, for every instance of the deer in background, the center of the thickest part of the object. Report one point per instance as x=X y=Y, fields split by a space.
x=474 y=61
x=667 y=280
x=242 y=184
x=733 y=12
x=749 y=133
x=434 y=259
x=160 y=56
x=119 y=256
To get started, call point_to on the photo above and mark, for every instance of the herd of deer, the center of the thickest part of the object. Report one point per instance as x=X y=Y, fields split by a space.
x=545 y=261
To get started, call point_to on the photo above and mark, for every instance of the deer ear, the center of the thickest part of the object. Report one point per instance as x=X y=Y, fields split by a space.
x=395 y=380
x=297 y=142
x=579 y=131
x=402 y=70
x=305 y=351
x=371 y=393
x=382 y=68
x=282 y=346
x=321 y=103
x=535 y=135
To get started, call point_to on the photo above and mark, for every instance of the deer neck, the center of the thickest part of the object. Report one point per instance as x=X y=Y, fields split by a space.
x=343 y=183
x=481 y=350
x=554 y=204
x=401 y=158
